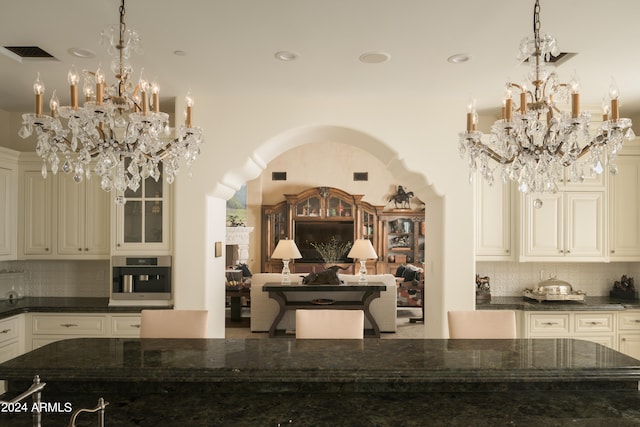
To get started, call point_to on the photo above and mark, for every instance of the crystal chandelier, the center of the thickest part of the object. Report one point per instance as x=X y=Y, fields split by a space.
x=535 y=141
x=119 y=130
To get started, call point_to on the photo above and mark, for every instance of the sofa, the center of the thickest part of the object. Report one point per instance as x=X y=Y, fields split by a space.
x=265 y=309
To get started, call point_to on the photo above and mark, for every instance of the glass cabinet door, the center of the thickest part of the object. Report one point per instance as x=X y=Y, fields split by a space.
x=308 y=207
x=338 y=207
x=143 y=220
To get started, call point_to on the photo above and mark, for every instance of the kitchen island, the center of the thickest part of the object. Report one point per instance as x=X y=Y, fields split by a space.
x=333 y=382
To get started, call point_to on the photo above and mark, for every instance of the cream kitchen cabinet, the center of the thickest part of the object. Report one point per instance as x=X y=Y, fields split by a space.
x=568 y=226
x=11 y=340
x=143 y=223
x=51 y=327
x=83 y=219
x=494 y=221
x=596 y=326
x=36 y=219
x=624 y=210
x=8 y=204
x=629 y=333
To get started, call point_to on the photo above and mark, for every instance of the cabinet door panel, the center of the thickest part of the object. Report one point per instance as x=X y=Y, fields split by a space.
x=493 y=220
x=6 y=218
x=624 y=209
x=543 y=226
x=585 y=231
x=37 y=212
x=97 y=222
x=71 y=216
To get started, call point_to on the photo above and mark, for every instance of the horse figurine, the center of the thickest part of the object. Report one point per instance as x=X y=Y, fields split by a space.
x=402 y=198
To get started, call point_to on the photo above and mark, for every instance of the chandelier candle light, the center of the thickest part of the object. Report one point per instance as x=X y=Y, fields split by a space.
x=535 y=141
x=119 y=126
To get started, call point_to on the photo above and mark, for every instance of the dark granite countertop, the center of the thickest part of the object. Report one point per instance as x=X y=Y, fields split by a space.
x=62 y=305
x=256 y=382
x=344 y=363
x=589 y=304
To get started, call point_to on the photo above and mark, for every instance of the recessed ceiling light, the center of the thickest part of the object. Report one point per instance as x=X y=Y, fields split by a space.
x=458 y=58
x=374 y=57
x=180 y=53
x=285 y=55
x=81 y=53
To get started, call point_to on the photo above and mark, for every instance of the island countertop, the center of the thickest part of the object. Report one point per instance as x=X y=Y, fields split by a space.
x=10 y=308
x=248 y=382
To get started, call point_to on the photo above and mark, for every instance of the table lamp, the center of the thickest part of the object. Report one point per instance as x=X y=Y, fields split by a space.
x=286 y=250
x=362 y=249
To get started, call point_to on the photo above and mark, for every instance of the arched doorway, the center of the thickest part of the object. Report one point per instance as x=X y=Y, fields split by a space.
x=212 y=293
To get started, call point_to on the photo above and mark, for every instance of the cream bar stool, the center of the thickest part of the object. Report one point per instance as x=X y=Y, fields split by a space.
x=482 y=324
x=338 y=324
x=173 y=324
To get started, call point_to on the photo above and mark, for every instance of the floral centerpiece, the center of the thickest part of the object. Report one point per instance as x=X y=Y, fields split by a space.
x=333 y=251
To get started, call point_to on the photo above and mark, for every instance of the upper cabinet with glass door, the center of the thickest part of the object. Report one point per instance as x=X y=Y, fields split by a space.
x=143 y=223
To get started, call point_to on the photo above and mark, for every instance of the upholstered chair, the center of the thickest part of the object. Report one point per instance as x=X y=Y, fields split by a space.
x=330 y=324
x=173 y=324
x=482 y=324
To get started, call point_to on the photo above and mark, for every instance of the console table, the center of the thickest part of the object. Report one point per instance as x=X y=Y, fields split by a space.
x=371 y=291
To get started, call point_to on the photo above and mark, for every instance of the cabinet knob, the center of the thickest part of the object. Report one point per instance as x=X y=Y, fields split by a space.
x=5 y=331
x=80 y=249
x=136 y=325
x=86 y=249
x=68 y=325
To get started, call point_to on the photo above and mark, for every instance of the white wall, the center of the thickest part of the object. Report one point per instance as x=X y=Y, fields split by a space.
x=412 y=139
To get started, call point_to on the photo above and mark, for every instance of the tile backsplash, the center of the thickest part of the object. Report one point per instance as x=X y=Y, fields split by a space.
x=55 y=278
x=596 y=279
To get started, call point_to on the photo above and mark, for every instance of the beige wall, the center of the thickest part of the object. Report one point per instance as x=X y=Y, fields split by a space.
x=326 y=163
x=411 y=139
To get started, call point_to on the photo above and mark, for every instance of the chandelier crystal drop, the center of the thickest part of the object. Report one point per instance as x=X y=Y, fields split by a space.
x=534 y=142
x=119 y=128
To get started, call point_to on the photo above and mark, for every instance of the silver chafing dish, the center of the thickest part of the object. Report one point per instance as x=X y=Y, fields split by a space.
x=553 y=289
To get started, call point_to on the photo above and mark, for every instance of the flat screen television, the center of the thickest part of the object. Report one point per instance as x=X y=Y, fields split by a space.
x=321 y=232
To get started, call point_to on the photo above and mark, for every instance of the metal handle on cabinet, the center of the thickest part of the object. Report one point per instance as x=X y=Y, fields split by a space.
x=636 y=320
x=594 y=323
x=68 y=325
x=86 y=249
x=80 y=249
x=137 y=325
x=567 y=252
x=5 y=331
x=613 y=251
x=549 y=323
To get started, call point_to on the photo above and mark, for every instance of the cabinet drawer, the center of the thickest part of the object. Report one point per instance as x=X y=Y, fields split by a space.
x=629 y=320
x=9 y=351
x=549 y=324
x=9 y=329
x=594 y=322
x=125 y=326
x=69 y=325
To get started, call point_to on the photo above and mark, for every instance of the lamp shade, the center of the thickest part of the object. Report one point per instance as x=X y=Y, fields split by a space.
x=362 y=249
x=286 y=249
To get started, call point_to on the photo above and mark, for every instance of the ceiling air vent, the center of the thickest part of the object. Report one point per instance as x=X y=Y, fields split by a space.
x=26 y=52
x=29 y=51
